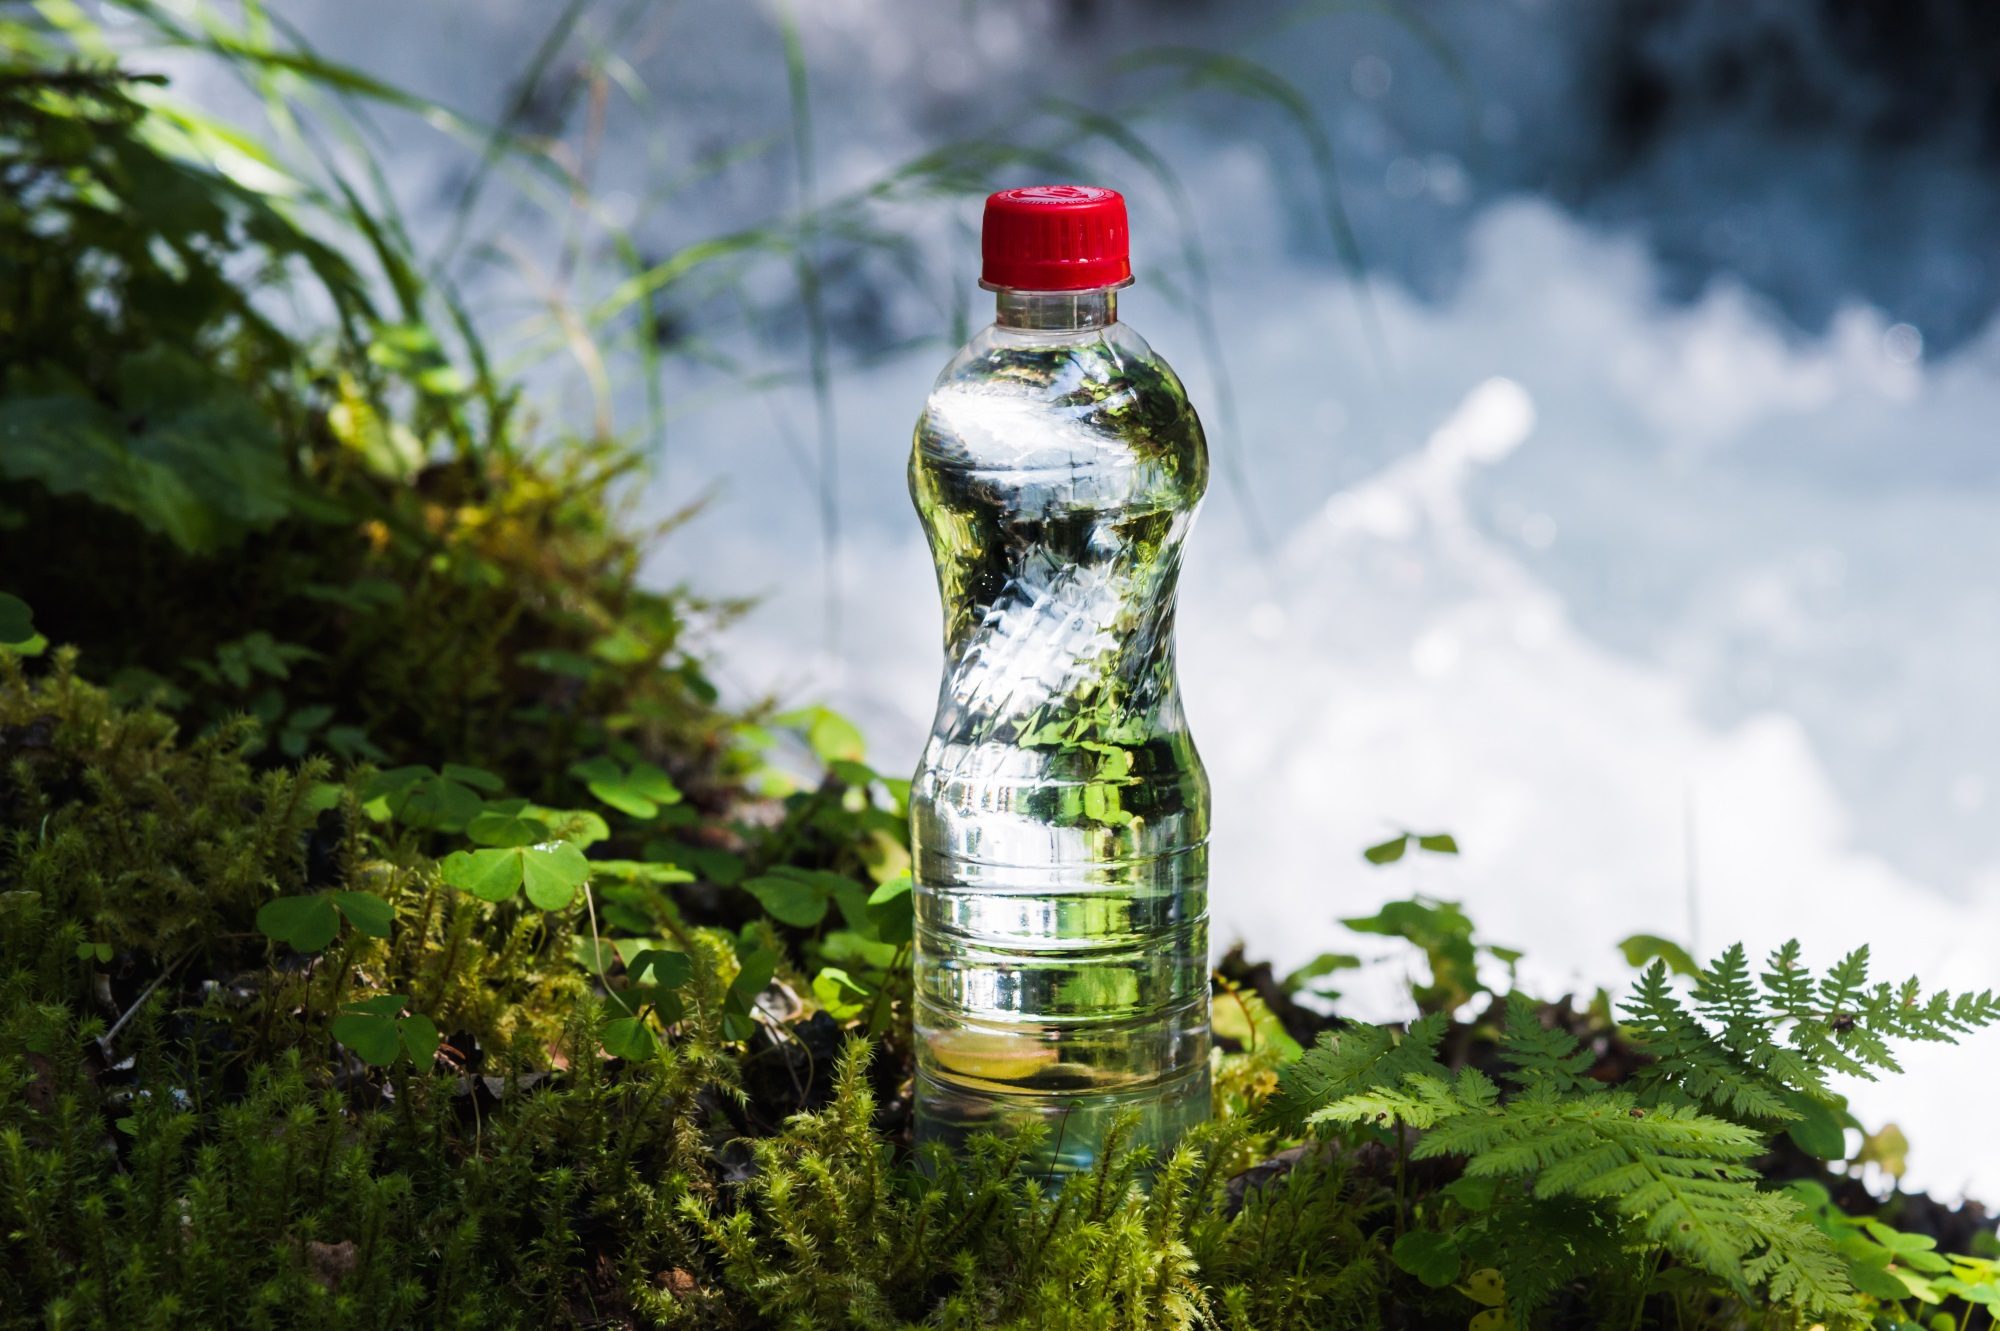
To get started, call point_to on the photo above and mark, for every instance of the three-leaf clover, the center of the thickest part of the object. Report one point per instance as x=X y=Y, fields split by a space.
x=788 y=899
x=507 y=823
x=253 y=654
x=1430 y=1257
x=800 y=897
x=639 y=790
x=308 y=923
x=549 y=872
x=376 y=1030
x=1388 y=852
x=442 y=800
x=655 y=973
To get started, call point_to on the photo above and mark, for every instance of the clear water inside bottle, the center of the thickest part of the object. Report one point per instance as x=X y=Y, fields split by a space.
x=1059 y=816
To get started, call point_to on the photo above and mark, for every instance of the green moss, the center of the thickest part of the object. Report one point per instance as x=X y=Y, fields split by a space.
x=331 y=625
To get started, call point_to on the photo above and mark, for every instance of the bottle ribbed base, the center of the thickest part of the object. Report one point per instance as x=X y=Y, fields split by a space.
x=1076 y=1124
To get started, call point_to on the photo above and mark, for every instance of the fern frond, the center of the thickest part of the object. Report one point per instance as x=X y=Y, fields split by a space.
x=1787 y=981
x=1744 y=1047
x=1539 y=1055
x=1724 y=990
x=1677 y=1173
x=1421 y=1101
x=1693 y=1061
x=1797 y=1265
x=1350 y=1061
x=1844 y=984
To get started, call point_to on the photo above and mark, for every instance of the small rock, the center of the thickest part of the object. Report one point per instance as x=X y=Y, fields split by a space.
x=331 y=1263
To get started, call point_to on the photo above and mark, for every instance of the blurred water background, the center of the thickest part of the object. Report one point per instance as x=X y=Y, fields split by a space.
x=1604 y=399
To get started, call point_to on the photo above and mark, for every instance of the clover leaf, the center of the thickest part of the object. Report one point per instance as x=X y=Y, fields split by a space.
x=627 y=1035
x=476 y=777
x=309 y=923
x=755 y=969
x=1388 y=852
x=891 y=910
x=369 y=914
x=435 y=801
x=831 y=736
x=628 y=1038
x=17 y=622
x=787 y=899
x=377 y=1032
x=1641 y=949
x=421 y=1038
x=579 y=826
x=801 y=896
x=507 y=823
x=1430 y=1257
x=641 y=871
x=839 y=993
x=549 y=872
x=669 y=969
x=638 y=790
x=305 y=924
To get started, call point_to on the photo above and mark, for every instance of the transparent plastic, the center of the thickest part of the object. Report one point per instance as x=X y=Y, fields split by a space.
x=1059 y=818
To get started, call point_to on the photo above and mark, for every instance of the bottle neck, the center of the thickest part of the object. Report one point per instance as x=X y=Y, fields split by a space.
x=1057 y=311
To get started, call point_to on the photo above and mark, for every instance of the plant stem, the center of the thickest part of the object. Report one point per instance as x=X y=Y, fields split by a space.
x=1402 y=1189
x=1639 y=1305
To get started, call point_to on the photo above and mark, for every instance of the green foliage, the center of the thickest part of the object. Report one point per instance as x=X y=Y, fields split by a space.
x=1388 y=852
x=1313 y=976
x=1443 y=932
x=346 y=537
x=1903 y=1273
x=17 y=622
x=1640 y=949
x=637 y=791
x=378 y=1030
x=111 y=819
x=1753 y=1046
x=518 y=1176
x=394 y=932
x=548 y=873
x=1642 y=1169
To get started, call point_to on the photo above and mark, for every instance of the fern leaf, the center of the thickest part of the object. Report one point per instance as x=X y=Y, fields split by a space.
x=1674 y=1171
x=1724 y=990
x=1842 y=988
x=1421 y=1101
x=1788 y=983
x=1351 y=1061
x=1797 y=1265
x=1538 y=1055
x=1693 y=1061
x=1540 y=1246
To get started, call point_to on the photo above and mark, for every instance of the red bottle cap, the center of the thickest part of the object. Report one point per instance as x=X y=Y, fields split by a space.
x=1055 y=238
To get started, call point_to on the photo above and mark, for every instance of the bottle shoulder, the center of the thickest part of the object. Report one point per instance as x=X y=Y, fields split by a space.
x=1021 y=399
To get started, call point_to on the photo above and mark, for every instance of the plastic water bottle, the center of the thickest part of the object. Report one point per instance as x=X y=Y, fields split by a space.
x=1059 y=817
